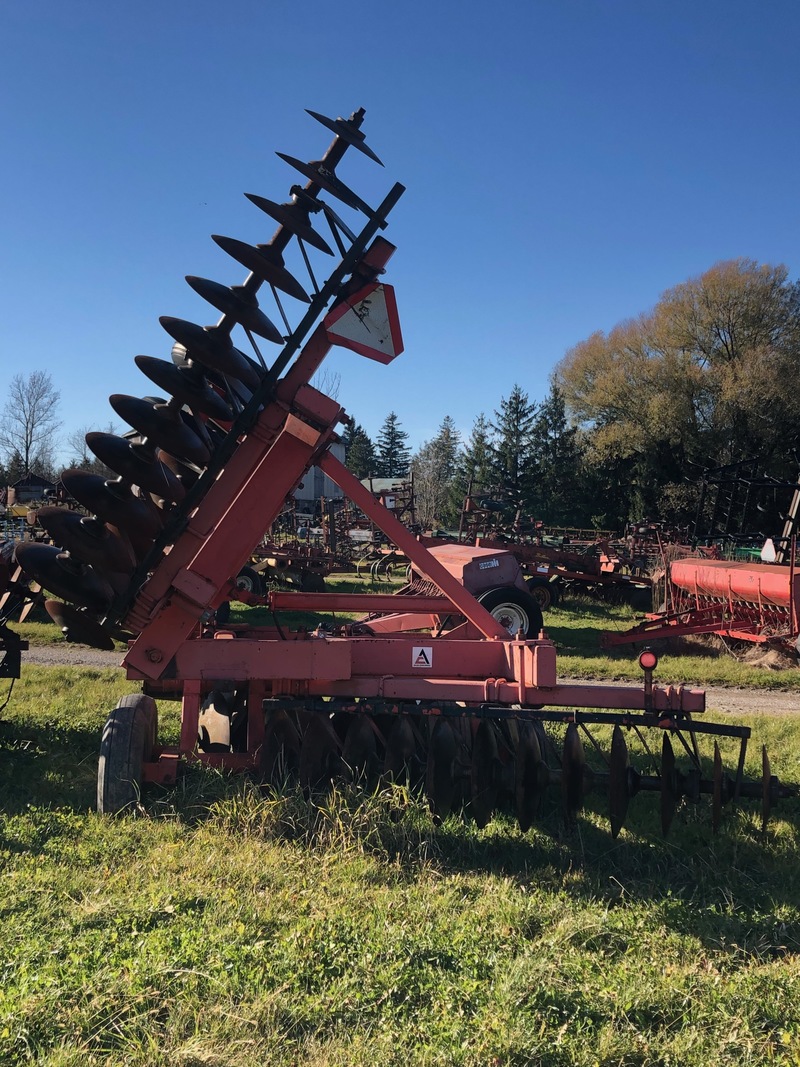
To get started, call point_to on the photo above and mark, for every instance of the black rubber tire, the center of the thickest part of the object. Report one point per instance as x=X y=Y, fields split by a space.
x=312 y=583
x=519 y=606
x=129 y=737
x=249 y=581
x=543 y=592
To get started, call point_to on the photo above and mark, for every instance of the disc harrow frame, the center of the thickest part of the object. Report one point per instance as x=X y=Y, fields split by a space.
x=442 y=689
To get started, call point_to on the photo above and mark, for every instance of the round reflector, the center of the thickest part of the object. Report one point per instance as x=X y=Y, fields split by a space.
x=648 y=660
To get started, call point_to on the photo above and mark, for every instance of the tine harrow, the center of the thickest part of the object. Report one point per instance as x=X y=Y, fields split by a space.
x=452 y=691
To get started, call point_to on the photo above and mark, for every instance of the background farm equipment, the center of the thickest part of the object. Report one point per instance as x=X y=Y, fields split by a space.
x=702 y=592
x=463 y=698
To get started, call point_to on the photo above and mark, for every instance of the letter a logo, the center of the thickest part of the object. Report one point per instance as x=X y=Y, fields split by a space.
x=422 y=656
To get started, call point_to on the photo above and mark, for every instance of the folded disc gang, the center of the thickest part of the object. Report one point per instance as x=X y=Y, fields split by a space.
x=326 y=179
x=188 y=385
x=88 y=539
x=59 y=573
x=266 y=263
x=136 y=464
x=212 y=347
x=114 y=503
x=294 y=217
x=162 y=426
x=239 y=304
x=76 y=625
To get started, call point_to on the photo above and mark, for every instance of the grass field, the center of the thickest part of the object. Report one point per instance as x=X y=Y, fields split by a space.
x=221 y=925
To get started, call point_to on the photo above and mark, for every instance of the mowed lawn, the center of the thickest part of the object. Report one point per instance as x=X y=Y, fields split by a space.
x=222 y=925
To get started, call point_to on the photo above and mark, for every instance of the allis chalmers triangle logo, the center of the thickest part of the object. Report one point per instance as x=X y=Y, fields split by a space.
x=422 y=656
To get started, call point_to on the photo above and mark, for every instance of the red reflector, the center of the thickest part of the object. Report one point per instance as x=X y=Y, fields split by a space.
x=648 y=660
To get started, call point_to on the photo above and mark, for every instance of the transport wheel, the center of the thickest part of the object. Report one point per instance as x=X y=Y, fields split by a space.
x=514 y=609
x=543 y=592
x=129 y=737
x=249 y=581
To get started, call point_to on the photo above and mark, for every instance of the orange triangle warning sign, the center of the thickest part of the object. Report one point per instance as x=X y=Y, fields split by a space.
x=368 y=323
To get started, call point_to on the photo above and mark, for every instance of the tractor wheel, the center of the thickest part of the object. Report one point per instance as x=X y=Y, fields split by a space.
x=543 y=592
x=249 y=581
x=514 y=609
x=129 y=737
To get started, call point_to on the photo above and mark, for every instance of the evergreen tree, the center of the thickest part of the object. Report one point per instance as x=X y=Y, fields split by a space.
x=559 y=494
x=359 y=451
x=393 y=454
x=434 y=468
x=475 y=464
x=515 y=465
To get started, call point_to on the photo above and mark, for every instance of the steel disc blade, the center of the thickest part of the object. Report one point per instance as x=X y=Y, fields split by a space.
x=294 y=218
x=669 y=790
x=530 y=777
x=400 y=749
x=325 y=178
x=185 y=474
x=483 y=773
x=573 y=763
x=347 y=131
x=213 y=348
x=114 y=503
x=359 y=749
x=187 y=385
x=280 y=752
x=716 y=796
x=319 y=754
x=266 y=263
x=77 y=626
x=87 y=539
x=234 y=301
x=618 y=786
x=161 y=426
x=59 y=573
x=440 y=783
x=766 y=789
x=136 y=465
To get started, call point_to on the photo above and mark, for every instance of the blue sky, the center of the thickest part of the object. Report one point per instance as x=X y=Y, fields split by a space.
x=565 y=164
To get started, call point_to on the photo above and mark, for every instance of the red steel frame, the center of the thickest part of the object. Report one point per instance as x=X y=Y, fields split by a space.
x=477 y=662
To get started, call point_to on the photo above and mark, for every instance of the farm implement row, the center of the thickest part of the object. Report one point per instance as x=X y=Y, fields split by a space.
x=452 y=685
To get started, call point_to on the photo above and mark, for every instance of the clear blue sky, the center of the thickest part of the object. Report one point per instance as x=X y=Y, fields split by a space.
x=566 y=162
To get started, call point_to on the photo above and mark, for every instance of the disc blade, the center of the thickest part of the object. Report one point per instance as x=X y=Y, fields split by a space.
x=77 y=626
x=187 y=385
x=88 y=539
x=483 y=773
x=766 y=789
x=669 y=791
x=236 y=303
x=280 y=752
x=400 y=749
x=573 y=763
x=359 y=749
x=266 y=263
x=618 y=793
x=347 y=131
x=321 y=175
x=440 y=783
x=162 y=426
x=59 y=573
x=136 y=465
x=209 y=346
x=531 y=777
x=319 y=754
x=294 y=218
x=114 y=503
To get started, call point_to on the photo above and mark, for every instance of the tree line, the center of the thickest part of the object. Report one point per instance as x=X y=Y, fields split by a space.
x=632 y=419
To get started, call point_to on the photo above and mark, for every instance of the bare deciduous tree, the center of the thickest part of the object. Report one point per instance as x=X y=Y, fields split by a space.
x=29 y=422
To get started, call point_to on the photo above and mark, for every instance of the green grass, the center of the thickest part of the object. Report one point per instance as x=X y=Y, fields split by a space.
x=233 y=927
